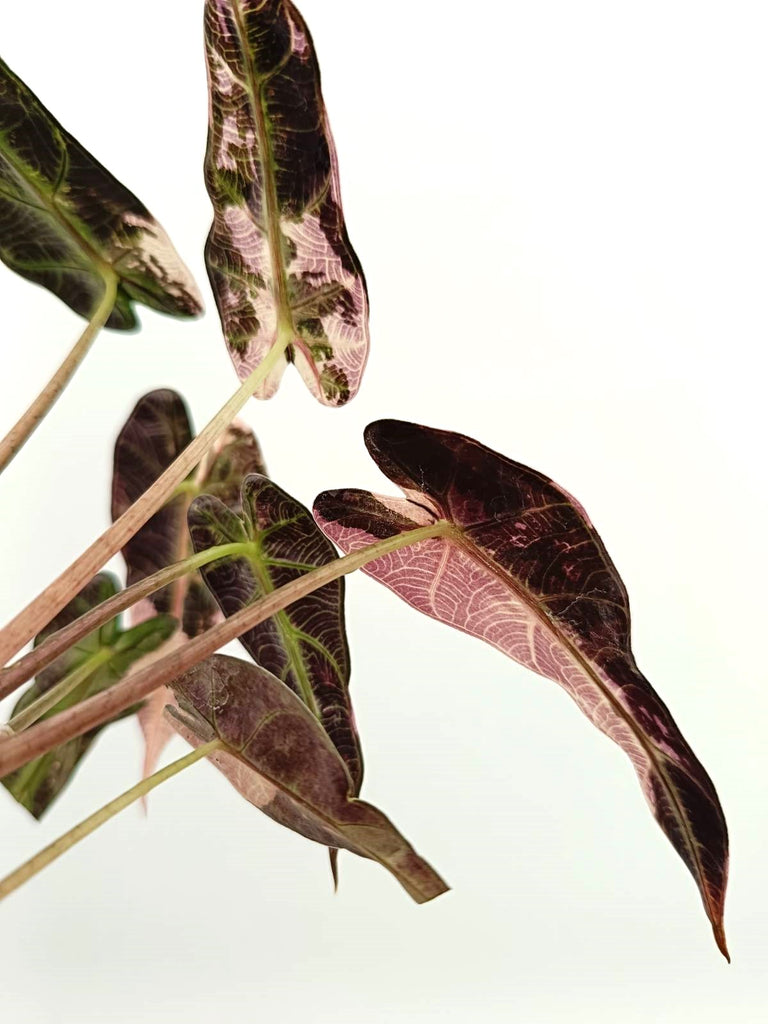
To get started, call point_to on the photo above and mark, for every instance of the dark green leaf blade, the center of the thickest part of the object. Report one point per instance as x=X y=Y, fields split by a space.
x=280 y=759
x=279 y=259
x=64 y=218
x=38 y=784
x=525 y=571
x=305 y=645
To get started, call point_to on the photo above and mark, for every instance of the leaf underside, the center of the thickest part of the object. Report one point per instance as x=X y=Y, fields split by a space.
x=156 y=432
x=279 y=259
x=280 y=759
x=525 y=571
x=305 y=645
x=36 y=785
x=64 y=218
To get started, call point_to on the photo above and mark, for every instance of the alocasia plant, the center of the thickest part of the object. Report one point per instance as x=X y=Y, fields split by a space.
x=500 y=552
x=479 y=542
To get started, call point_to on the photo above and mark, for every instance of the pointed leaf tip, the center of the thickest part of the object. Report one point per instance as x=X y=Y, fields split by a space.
x=279 y=758
x=719 y=933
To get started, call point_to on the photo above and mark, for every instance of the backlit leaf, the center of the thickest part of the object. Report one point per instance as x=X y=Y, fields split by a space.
x=158 y=430
x=525 y=571
x=64 y=217
x=38 y=783
x=280 y=262
x=280 y=759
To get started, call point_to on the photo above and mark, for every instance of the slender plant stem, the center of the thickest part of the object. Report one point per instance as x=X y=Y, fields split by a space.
x=42 y=859
x=32 y=712
x=20 y=433
x=39 y=612
x=54 y=645
x=17 y=750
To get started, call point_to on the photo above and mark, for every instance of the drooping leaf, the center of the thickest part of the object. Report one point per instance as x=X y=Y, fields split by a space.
x=63 y=216
x=524 y=570
x=280 y=759
x=38 y=783
x=305 y=645
x=159 y=429
x=280 y=262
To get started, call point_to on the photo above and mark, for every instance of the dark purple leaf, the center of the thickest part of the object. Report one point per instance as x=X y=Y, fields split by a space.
x=525 y=571
x=280 y=759
x=63 y=217
x=158 y=430
x=280 y=262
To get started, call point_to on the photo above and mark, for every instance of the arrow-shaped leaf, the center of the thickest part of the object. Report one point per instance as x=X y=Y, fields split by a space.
x=111 y=651
x=64 y=218
x=156 y=432
x=305 y=645
x=525 y=571
x=285 y=276
x=280 y=759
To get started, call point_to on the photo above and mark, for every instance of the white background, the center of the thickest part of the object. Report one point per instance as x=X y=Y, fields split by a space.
x=561 y=210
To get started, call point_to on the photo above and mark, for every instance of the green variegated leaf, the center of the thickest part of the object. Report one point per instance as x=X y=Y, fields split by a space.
x=280 y=759
x=286 y=279
x=64 y=219
x=111 y=651
x=155 y=433
x=305 y=645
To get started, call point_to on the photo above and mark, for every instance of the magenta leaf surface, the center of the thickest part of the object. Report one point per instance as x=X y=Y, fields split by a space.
x=525 y=571
x=280 y=759
x=286 y=279
x=158 y=429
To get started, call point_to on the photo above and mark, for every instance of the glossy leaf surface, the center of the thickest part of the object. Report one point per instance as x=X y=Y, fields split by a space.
x=280 y=759
x=304 y=645
x=157 y=431
x=64 y=217
x=279 y=258
x=525 y=571
x=38 y=783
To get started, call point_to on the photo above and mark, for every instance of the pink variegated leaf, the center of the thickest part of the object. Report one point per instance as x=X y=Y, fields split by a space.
x=282 y=269
x=524 y=570
x=278 y=756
